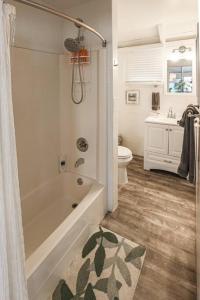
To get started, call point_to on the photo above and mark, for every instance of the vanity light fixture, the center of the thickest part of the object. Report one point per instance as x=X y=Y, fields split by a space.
x=182 y=49
x=181 y=52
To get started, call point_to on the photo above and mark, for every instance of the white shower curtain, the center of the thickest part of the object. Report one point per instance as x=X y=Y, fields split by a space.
x=12 y=271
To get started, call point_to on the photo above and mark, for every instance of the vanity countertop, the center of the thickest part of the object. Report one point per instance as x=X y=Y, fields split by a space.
x=161 y=119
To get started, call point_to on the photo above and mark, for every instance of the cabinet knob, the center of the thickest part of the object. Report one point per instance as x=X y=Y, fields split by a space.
x=170 y=129
x=167 y=129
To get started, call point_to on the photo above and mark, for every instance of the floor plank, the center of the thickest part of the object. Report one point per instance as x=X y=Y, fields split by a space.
x=157 y=210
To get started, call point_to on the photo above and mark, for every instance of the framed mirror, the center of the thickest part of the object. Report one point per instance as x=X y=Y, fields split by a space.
x=180 y=72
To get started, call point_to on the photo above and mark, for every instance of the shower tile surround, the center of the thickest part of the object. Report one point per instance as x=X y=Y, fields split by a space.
x=77 y=116
x=35 y=98
x=65 y=123
x=58 y=119
x=44 y=114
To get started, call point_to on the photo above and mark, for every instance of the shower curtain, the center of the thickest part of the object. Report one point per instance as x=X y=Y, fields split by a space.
x=12 y=259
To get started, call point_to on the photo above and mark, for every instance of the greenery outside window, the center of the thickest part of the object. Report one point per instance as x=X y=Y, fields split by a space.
x=180 y=77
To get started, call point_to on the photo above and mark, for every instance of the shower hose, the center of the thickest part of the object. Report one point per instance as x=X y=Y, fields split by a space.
x=74 y=99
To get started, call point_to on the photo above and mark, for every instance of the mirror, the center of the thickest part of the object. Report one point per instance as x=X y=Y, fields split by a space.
x=179 y=76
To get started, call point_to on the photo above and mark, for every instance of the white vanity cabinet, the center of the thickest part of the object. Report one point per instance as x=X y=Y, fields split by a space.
x=163 y=144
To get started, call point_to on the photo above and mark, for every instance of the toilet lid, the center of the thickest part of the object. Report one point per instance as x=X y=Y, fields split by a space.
x=124 y=152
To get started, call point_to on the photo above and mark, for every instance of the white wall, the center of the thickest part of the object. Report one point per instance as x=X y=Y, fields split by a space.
x=99 y=15
x=131 y=117
x=80 y=120
x=102 y=16
x=45 y=68
x=37 y=30
x=35 y=78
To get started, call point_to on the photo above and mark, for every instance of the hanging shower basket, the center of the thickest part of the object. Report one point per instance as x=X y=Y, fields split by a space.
x=82 y=57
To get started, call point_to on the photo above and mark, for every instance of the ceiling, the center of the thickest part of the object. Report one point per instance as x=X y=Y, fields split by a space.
x=62 y=4
x=139 y=19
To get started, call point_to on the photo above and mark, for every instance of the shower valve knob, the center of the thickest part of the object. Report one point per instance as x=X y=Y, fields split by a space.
x=82 y=144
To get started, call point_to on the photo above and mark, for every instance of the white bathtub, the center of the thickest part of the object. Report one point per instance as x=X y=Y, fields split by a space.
x=54 y=231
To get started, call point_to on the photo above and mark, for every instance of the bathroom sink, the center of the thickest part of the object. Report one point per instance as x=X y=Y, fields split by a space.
x=162 y=119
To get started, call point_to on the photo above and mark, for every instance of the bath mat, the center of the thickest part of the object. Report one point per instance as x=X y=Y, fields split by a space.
x=108 y=268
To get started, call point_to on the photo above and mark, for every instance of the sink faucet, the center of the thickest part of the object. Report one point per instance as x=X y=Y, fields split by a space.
x=171 y=114
x=79 y=162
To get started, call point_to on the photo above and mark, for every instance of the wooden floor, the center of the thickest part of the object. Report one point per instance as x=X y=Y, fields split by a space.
x=157 y=210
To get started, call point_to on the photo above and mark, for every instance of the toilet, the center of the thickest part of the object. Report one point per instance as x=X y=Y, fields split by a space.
x=124 y=158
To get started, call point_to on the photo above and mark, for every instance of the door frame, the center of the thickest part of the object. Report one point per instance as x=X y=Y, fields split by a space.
x=112 y=115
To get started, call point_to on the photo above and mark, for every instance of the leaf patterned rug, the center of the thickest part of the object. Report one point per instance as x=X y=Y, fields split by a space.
x=107 y=269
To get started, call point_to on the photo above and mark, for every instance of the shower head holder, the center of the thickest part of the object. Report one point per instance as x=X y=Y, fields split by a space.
x=77 y=25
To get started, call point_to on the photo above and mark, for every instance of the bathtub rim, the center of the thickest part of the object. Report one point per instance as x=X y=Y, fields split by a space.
x=33 y=262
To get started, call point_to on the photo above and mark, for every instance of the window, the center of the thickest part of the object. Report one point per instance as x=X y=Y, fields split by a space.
x=180 y=79
x=145 y=64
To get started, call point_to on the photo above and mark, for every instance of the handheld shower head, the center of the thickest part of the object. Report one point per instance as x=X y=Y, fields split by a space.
x=72 y=45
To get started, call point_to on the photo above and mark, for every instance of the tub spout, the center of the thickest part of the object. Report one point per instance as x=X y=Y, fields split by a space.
x=79 y=162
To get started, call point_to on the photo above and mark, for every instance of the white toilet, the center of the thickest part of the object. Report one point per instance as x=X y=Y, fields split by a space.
x=124 y=158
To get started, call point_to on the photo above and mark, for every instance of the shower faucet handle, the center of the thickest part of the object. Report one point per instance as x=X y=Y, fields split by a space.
x=82 y=144
x=79 y=162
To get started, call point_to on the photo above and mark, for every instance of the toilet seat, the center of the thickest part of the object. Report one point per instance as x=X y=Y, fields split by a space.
x=124 y=153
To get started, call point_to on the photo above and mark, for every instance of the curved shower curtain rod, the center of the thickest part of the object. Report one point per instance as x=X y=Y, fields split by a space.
x=64 y=16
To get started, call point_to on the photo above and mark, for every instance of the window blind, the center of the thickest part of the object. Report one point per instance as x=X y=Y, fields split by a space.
x=145 y=64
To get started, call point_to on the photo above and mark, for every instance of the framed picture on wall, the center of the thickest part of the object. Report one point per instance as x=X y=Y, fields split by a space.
x=132 y=97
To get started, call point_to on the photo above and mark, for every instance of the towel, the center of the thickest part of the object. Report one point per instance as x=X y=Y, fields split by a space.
x=187 y=163
x=155 y=101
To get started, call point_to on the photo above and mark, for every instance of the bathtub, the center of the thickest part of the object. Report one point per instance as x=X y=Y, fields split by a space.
x=57 y=218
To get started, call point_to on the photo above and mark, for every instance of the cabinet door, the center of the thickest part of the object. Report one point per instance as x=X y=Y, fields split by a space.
x=175 y=140
x=156 y=138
